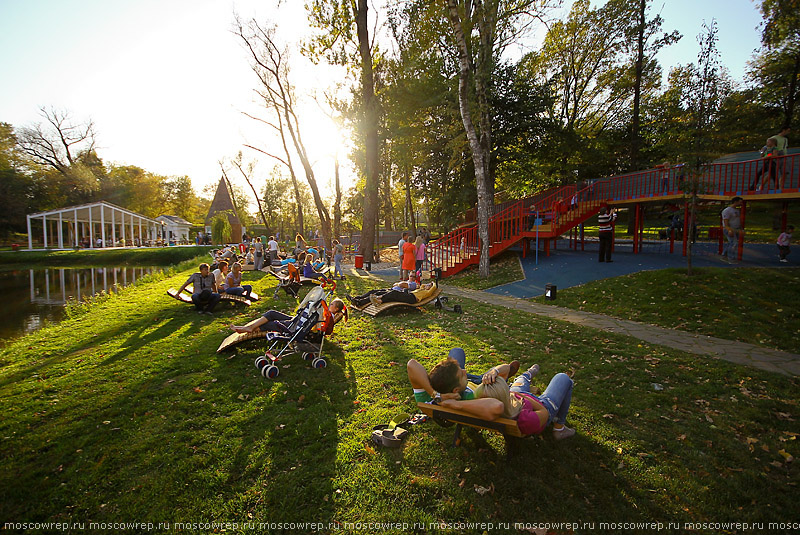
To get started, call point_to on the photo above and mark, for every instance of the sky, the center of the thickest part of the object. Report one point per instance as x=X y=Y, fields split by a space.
x=166 y=82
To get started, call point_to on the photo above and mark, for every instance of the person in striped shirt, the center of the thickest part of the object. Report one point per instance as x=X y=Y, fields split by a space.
x=605 y=222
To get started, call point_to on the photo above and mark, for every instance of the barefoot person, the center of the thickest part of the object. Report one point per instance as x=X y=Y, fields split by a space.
x=275 y=321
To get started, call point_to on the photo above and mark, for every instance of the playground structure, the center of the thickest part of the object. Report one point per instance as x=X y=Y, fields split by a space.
x=548 y=215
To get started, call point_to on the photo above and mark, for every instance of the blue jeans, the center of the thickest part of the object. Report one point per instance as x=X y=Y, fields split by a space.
x=338 y=265
x=731 y=248
x=459 y=356
x=556 y=397
x=244 y=289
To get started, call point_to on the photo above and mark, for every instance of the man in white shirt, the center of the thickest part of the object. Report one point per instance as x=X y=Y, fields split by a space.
x=732 y=226
x=273 y=249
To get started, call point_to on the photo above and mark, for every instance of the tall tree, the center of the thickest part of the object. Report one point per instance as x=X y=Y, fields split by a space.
x=336 y=20
x=59 y=142
x=708 y=87
x=780 y=35
x=270 y=63
x=641 y=33
x=480 y=30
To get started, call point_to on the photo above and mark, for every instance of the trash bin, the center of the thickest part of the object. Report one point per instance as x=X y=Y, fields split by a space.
x=359 y=261
x=550 y=291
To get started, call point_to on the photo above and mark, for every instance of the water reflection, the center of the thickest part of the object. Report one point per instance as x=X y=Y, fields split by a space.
x=35 y=296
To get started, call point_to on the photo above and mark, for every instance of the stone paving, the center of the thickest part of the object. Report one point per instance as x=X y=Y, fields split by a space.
x=733 y=351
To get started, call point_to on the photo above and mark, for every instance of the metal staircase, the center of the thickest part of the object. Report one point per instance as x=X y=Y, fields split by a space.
x=552 y=213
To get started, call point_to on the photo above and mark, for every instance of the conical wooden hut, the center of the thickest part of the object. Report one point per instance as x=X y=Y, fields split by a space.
x=222 y=202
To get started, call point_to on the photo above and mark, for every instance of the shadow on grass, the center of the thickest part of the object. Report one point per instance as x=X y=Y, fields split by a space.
x=183 y=430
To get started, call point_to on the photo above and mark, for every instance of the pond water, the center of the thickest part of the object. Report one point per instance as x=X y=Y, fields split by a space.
x=35 y=296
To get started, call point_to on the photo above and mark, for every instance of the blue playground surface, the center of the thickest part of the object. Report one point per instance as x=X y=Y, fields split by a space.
x=566 y=267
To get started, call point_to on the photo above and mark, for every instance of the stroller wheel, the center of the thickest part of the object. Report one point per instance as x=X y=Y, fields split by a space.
x=309 y=356
x=319 y=362
x=260 y=362
x=270 y=371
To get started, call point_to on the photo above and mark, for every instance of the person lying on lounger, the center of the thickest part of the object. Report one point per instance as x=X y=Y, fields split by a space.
x=449 y=381
x=275 y=321
x=364 y=299
x=395 y=295
x=532 y=413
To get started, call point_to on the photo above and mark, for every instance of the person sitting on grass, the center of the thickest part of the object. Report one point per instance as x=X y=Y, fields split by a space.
x=233 y=282
x=276 y=321
x=450 y=383
x=532 y=413
x=403 y=291
x=204 y=290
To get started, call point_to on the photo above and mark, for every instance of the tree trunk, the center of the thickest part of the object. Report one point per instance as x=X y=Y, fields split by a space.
x=322 y=211
x=295 y=185
x=255 y=194
x=337 y=207
x=370 y=104
x=637 y=87
x=480 y=156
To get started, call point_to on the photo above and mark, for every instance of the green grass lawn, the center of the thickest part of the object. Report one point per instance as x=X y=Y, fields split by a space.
x=754 y=305
x=505 y=268
x=124 y=412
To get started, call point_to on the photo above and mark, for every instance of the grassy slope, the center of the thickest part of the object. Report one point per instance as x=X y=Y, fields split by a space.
x=758 y=306
x=126 y=413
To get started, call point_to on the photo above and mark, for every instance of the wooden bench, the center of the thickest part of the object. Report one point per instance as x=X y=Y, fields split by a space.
x=446 y=417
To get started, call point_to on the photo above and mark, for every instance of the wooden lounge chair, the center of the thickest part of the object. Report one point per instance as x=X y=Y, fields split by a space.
x=373 y=310
x=235 y=339
x=186 y=298
x=229 y=297
x=446 y=417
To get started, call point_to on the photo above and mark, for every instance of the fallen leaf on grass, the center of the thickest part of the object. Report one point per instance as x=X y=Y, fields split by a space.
x=197 y=389
x=786 y=455
x=682 y=437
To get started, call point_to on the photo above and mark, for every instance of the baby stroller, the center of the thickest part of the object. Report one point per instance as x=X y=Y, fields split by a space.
x=306 y=334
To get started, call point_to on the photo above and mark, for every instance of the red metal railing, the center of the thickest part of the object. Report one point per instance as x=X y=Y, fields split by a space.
x=566 y=206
